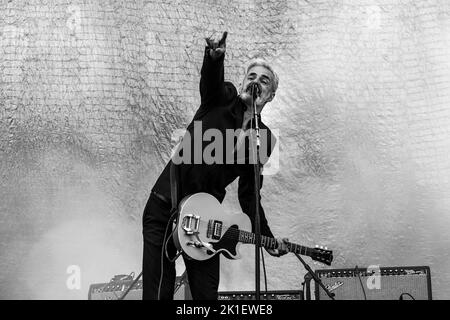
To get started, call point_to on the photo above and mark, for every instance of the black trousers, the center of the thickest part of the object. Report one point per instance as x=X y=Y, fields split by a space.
x=203 y=276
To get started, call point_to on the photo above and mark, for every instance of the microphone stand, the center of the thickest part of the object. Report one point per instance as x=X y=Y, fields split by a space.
x=315 y=277
x=130 y=287
x=256 y=167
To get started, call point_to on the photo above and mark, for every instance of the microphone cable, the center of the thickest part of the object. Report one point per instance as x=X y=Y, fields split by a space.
x=406 y=293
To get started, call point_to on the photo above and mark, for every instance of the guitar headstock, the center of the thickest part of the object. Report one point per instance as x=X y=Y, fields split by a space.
x=322 y=254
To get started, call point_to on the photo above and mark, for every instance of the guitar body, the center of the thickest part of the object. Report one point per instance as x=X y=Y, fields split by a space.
x=204 y=229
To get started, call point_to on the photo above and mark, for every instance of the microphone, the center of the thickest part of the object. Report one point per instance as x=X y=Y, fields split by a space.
x=256 y=89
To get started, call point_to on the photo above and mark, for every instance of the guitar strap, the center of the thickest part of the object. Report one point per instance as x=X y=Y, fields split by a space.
x=174 y=187
x=174 y=211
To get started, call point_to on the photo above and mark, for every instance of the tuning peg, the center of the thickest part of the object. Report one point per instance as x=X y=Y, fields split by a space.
x=326 y=248
x=317 y=246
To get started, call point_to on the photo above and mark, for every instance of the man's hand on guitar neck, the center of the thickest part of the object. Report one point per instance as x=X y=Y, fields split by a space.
x=281 y=250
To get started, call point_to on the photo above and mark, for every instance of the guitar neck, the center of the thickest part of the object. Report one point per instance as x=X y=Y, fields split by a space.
x=271 y=243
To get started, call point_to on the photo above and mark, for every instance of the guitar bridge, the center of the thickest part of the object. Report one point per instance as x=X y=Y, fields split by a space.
x=190 y=224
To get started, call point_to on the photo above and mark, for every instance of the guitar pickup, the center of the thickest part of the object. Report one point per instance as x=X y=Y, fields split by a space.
x=214 y=229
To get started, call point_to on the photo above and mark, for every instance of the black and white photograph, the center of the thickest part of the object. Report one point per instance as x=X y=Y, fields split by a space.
x=206 y=150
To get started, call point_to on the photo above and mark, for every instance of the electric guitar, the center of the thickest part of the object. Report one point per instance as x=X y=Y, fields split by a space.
x=204 y=229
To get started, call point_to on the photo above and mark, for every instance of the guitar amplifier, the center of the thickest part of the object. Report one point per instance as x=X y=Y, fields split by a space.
x=115 y=289
x=389 y=283
x=264 y=295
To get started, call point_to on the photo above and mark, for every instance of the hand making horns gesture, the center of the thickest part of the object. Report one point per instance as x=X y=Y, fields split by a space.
x=217 y=47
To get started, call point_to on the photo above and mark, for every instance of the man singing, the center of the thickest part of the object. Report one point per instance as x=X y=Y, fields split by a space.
x=222 y=108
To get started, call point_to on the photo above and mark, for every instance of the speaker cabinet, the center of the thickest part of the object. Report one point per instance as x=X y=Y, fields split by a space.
x=375 y=283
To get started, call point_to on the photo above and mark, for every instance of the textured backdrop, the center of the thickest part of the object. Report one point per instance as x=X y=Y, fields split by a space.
x=91 y=91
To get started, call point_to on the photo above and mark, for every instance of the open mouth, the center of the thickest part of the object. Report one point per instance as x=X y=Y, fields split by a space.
x=249 y=89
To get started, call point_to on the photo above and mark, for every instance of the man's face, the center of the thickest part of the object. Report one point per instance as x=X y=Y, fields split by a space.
x=262 y=76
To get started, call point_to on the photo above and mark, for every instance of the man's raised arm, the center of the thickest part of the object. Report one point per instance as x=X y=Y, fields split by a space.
x=212 y=84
